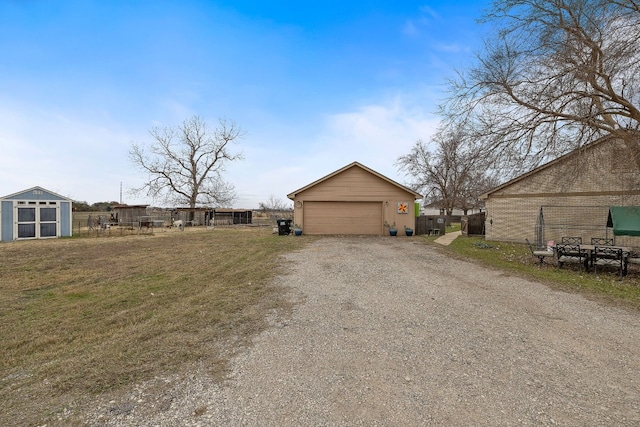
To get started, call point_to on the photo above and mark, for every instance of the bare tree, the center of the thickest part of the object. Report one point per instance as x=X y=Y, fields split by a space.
x=448 y=174
x=274 y=204
x=556 y=75
x=478 y=183
x=185 y=164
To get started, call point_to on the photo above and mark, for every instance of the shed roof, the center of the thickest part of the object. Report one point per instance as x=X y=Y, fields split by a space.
x=130 y=206
x=231 y=210
x=195 y=209
x=36 y=188
x=293 y=194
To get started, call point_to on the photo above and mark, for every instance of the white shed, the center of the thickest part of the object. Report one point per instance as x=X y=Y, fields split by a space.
x=35 y=213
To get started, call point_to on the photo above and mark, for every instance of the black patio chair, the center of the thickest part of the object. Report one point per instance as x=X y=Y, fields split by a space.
x=539 y=252
x=571 y=240
x=605 y=256
x=572 y=254
x=601 y=241
x=632 y=258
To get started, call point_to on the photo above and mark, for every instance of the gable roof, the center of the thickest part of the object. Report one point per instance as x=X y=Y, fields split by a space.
x=293 y=194
x=36 y=188
x=534 y=171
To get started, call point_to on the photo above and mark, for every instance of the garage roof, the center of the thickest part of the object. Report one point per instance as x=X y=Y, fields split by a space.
x=349 y=166
x=551 y=163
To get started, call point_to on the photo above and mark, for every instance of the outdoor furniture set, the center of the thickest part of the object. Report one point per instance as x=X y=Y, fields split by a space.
x=600 y=253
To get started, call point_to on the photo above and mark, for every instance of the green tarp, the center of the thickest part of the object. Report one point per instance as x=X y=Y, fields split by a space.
x=625 y=220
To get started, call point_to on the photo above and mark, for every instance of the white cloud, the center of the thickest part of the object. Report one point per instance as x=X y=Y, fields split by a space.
x=428 y=12
x=426 y=16
x=410 y=29
x=451 y=47
x=375 y=135
x=85 y=157
x=77 y=157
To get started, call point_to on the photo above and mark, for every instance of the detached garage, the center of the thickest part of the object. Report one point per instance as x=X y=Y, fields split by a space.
x=354 y=200
x=35 y=213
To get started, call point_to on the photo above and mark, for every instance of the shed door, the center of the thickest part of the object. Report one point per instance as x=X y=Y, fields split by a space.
x=342 y=218
x=27 y=223
x=36 y=220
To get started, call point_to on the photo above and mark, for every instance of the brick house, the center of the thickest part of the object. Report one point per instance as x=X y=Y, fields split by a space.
x=569 y=196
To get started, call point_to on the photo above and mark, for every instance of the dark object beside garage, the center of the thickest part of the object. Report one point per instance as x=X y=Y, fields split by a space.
x=284 y=227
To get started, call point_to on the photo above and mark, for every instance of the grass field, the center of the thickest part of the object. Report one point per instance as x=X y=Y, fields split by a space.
x=517 y=259
x=79 y=317
x=83 y=316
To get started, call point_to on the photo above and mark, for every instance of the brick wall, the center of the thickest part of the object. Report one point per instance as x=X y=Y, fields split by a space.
x=574 y=193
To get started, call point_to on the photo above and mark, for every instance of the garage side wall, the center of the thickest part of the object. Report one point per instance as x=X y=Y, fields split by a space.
x=602 y=176
x=352 y=202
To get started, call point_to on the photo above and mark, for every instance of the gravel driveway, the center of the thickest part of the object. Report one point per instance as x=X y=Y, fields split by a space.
x=391 y=332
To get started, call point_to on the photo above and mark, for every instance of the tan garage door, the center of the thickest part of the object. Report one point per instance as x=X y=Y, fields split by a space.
x=343 y=217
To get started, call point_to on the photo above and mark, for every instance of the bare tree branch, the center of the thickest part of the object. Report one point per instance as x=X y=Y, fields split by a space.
x=450 y=173
x=274 y=204
x=556 y=75
x=184 y=165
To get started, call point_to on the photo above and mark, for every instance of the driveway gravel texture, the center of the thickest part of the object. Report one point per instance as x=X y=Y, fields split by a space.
x=393 y=332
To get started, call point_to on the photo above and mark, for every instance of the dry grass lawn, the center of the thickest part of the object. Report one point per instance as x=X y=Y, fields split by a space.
x=79 y=317
x=605 y=286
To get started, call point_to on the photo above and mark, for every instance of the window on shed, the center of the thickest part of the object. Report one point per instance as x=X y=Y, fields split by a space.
x=47 y=214
x=26 y=230
x=26 y=214
x=48 y=229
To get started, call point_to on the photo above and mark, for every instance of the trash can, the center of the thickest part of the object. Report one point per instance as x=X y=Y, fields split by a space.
x=284 y=227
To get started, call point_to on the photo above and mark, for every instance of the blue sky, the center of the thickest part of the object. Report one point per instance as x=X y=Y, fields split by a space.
x=315 y=85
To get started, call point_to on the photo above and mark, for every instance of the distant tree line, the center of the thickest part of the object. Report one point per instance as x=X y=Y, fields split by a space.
x=274 y=204
x=81 y=206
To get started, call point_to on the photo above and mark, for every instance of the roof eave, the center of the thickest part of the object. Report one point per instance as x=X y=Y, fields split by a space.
x=293 y=194
x=37 y=187
x=486 y=195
